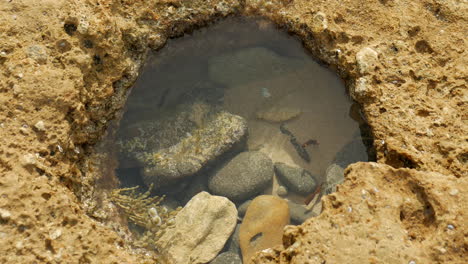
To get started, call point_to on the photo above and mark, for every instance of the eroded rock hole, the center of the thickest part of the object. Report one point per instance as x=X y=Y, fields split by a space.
x=235 y=123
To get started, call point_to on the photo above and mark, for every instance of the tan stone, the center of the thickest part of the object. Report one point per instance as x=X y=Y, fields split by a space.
x=263 y=225
x=278 y=114
x=200 y=231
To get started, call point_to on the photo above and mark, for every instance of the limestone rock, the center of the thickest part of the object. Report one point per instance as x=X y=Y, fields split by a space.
x=200 y=230
x=296 y=179
x=263 y=225
x=227 y=258
x=278 y=114
x=244 y=176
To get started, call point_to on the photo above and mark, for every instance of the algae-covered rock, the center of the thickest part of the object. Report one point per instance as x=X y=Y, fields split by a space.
x=200 y=230
x=195 y=150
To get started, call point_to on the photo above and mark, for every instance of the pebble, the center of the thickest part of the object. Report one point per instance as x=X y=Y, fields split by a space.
x=296 y=179
x=40 y=125
x=227 y=258
x=244 y=176
x=233 y=243
x=5 y=214
x=263 y=225
x=453 y=192
x=243 y=208
x=282 y=191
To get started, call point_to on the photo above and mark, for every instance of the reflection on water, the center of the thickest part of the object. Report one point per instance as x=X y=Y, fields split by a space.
x=181 y=127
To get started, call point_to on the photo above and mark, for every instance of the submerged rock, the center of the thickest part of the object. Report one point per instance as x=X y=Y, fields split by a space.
x=334 y=176
x=299 y=213
x=232 y=244
x=200 y=230
x=278 y=114
x=296 y=179
x=263 y=225
x=198 y=148
x=250 y=64
x=227 y=258
x=244 y=176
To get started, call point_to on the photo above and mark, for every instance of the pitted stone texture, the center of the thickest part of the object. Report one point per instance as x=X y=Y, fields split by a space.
x=263 y=225
x=244 y=176
x=200 y=231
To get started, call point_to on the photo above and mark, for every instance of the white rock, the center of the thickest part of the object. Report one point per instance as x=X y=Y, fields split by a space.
x=200 y=231
x=40 y=125
x=366 y=59
x=5 y=214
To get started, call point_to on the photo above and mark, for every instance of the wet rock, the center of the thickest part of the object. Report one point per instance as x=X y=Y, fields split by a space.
x=278 y=114
x=232 y=244
x=334 y=176
x=244 y=176
x=193 y=152
x=282 y=191
x=250 y=64
x=243 y=208
x=299 y=213
x=352 y=152
x=227 y=258
x=296 y=179
x=263 y=225
x=200 y=230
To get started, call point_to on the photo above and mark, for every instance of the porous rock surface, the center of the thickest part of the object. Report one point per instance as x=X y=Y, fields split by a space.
x=67 y=66
x=200 y=230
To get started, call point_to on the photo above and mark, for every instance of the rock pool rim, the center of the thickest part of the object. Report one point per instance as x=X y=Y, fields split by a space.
x=126 y=83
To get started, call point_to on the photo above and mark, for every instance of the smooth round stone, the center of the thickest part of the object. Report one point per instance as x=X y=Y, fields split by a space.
x=282 y=191
x=263 y=225
x=244 y=176
x=227 y=258
x=243 y=208
x=296 y=179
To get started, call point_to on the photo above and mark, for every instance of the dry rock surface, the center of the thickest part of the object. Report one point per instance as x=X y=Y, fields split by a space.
x=200 y=231
x=66 y=68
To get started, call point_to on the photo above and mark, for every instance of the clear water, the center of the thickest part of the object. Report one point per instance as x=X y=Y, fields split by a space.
x=246 y=67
